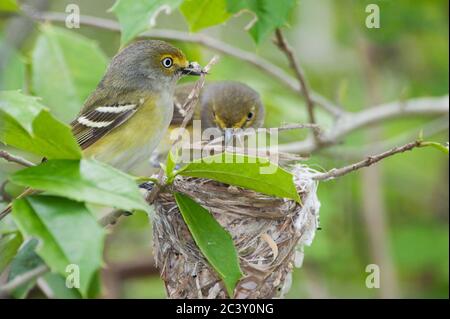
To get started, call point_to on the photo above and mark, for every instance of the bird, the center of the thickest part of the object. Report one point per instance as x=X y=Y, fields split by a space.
x=227 y=106
x=124 y=118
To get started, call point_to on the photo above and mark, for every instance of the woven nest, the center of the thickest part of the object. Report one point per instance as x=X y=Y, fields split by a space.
x=269 y=234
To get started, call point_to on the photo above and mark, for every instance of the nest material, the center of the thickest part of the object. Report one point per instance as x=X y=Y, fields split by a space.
x=269 y=234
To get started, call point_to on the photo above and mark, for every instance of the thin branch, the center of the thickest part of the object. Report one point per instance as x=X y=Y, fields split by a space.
x=428 y=106
x=293 y=126
x=284 y=46
x=8 y=207
x=192 y=99
x=252 y=131
x=15 y=159
x=188 y=109
x=337 y=172
x=22 y=279
x=206 y=41
x=429 y=129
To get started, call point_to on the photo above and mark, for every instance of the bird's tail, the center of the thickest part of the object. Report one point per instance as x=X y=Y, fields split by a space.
x=8 y=208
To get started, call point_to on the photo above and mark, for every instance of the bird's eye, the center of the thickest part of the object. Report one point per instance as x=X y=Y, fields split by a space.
x=250 y=115
x=167 y=62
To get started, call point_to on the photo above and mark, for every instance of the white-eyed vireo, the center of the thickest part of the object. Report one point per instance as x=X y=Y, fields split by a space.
x=126 y=116
x=124 y=119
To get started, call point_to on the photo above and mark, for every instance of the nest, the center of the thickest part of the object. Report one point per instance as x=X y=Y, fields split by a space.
x=269 y=234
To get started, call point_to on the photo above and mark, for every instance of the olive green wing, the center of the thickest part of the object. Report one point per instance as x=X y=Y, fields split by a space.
x=96 y=122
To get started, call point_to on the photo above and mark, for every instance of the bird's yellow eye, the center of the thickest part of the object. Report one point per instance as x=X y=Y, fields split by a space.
x=250 y=115
x=167 y=62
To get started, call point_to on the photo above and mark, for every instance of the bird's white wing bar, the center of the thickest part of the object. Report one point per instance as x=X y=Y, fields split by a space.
x=115 y=109
x=90 y=126
x=87 y=122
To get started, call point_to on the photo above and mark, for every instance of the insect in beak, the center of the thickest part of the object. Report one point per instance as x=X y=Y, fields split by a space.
x=228 y=135
x=193 y=69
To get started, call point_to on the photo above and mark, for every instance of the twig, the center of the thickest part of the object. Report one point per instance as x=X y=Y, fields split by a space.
x=356 y=152
x=337 y=172
x=192 y=99
x=312 y=126
x=285 y=127
x=206 y=41
x=8 y=207
x=15 y=159
x=350 y=122
x=188 y=108
x=284 y=46
x=22 y=279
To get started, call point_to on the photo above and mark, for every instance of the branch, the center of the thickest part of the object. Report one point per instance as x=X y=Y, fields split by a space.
x=22 y=279
x=284 y=46
x=337 y=172
x=251 y=132
x=206 y=41
x=429 y=129
x=378 y=114
x=188 y=109
x=15 y=159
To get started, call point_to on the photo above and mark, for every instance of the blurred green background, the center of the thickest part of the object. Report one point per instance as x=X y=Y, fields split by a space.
x=394 y=215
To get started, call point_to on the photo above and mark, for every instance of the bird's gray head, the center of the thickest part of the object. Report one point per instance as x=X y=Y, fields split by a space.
x=148 y=65
x=232 y=105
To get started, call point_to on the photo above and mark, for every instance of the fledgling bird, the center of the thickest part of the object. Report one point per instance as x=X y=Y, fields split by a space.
x=225 y=105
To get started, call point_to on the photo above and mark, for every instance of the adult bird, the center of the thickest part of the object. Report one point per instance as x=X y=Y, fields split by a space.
x=125 y=117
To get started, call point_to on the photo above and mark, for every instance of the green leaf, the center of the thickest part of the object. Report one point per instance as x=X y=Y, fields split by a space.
x=245 y=171
x=9 y=5
x=27 y=124
x=66 y=69
x=9 y=245
x=67 y=231
x=269 y=14
x=95 y=287
x=201 y=14
x=12 y=76
x=169 y=168
x=57 y=285
x=136 y=16
x=213 y=241
x=86 y=180
x=25 y=261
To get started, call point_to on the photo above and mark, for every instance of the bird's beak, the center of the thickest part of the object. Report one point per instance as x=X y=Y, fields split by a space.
x=193 y=69
x=228 y=135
